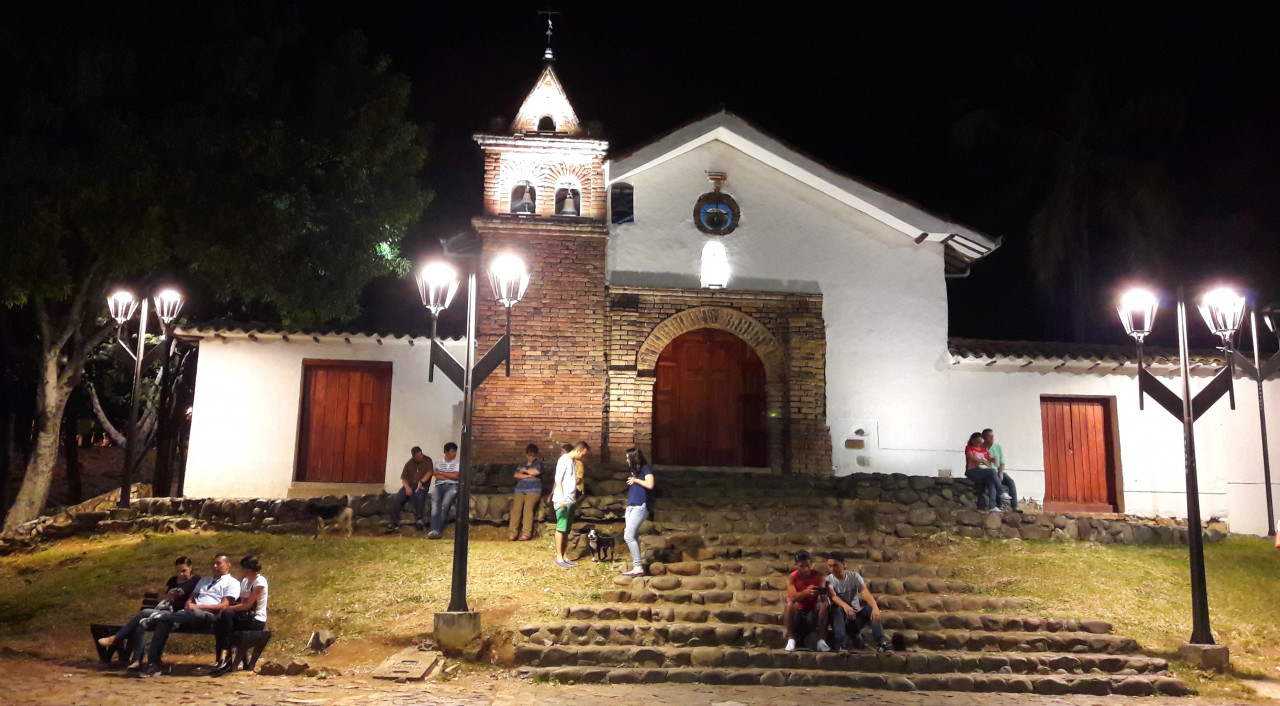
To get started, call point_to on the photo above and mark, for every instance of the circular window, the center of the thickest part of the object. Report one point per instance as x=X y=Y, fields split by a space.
x=716 y=213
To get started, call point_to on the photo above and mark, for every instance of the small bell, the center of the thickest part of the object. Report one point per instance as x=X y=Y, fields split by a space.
x=526 y=200
x=570 y=207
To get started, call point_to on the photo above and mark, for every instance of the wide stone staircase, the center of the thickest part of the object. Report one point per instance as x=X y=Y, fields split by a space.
x=718 y=553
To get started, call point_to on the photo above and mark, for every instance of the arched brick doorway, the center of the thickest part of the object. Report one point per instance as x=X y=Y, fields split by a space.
x=709 y=402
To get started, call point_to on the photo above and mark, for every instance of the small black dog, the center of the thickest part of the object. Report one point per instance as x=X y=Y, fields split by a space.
x=601 y=544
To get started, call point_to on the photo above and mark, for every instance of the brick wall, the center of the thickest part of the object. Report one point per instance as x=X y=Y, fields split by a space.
x=787 y=332
x=557 y=383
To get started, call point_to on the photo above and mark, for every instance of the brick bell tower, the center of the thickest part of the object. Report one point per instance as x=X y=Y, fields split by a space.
x=544 y=199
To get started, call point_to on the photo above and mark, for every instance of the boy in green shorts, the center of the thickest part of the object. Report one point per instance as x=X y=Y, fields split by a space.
x=563 y=495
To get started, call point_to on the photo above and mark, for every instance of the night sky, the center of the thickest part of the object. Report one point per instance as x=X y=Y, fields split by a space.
x=878 y=92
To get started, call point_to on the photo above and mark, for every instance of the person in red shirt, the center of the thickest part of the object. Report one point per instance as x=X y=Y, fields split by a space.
x=980 y=468
x=806 y=602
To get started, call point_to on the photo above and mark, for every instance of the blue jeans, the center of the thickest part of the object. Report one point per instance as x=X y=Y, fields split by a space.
x=985 y=479
x=166 y=622
x=398 y=501
x=840 y=624
x=136 y=633
x=635 y=515
x=1011 y=488
x=441 y=502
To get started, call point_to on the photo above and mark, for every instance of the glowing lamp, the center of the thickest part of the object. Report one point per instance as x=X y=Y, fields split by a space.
x=1138 y=313
x=1222 y=309
x=437 y=283
x=509 y=278
x=121 y=305
x=168 y=304
x=715 y=265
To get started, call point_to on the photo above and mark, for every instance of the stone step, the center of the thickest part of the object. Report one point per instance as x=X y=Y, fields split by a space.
x=915 y=603
x=697 y=547
x=778 y=583
x=781 y=566
x=894 y=620
x=1131 y=685
x=691 y=635
x=868 y=661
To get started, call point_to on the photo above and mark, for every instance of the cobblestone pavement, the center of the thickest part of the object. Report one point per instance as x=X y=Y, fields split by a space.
x=37 y=682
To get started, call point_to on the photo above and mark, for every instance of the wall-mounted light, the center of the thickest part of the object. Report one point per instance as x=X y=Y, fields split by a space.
x=715 y=265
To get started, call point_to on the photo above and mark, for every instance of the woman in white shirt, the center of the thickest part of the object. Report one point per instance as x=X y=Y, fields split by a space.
x=248 y=614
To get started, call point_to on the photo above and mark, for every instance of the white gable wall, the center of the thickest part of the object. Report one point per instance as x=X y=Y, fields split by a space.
x=884 y=296
x=244 y=424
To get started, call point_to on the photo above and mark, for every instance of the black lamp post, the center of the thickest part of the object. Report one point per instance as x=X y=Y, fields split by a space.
x=1258 y=371
x=122 y=305
x=437 y=284
x=1222 y=310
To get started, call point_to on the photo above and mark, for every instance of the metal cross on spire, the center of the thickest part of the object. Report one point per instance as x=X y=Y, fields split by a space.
x=547 y=55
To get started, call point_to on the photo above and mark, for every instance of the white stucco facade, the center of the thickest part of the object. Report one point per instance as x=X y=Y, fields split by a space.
x=244 y=423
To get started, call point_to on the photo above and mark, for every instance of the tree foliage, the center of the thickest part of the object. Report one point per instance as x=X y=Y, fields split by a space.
x=213 y=146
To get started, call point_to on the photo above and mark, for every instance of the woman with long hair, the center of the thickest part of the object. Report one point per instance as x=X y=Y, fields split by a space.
x=248 y=614
x=978 y=468
x=640 y=482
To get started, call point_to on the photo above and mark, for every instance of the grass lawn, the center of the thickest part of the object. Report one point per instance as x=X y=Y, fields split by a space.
x=1145 y=592
x=380 y=590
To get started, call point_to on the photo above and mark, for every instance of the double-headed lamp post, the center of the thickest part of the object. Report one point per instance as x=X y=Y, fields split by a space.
x=1222 y=310
x=122 y=305
x=437 y=285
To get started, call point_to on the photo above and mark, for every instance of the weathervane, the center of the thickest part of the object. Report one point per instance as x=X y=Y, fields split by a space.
x=547 y=55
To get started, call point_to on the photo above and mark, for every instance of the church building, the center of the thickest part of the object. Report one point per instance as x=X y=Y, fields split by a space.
x=723 y=301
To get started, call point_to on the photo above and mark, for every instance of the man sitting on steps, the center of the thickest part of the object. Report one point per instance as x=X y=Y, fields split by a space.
x=852 y=604
x=806 y=609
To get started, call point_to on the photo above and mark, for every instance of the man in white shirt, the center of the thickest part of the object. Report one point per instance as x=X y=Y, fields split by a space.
x=445 y=491
x=563 y=494
x=210 y=596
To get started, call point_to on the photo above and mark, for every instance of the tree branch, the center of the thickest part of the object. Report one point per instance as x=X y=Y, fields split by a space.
x=116 y=436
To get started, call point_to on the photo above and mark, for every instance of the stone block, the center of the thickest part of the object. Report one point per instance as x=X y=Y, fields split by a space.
x=1214 y=657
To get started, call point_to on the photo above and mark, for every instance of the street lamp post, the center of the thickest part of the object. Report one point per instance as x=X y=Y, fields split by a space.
x=1259 y=371
x=122 y=305
x=1222 y=310
x=437 y=284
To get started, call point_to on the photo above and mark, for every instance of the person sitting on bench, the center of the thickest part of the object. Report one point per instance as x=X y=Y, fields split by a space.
x=248 y=613
x=176 y=591
x=806 y=603
x=852 y=607
x=211 y=595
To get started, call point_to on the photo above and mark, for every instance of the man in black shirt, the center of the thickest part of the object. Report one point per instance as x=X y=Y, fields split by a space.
x=175 y=594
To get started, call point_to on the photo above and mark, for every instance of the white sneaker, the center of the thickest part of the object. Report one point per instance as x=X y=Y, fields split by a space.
x=791 y=646
x=1006 y=497
x=822 y=646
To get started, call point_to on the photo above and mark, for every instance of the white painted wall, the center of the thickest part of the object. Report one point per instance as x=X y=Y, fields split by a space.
x=244 y=425
x=888 y=370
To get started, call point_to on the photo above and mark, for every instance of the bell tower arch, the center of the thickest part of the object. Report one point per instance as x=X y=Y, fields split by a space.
x=544 y=199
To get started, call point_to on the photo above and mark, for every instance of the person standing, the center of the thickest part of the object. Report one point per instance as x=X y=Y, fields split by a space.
x=563 y=495
x=445 y=491
x=1004 y=482
x=248 y=613
x=640 y=482
x=413 y=479
x=528 y=490
x=212 y=594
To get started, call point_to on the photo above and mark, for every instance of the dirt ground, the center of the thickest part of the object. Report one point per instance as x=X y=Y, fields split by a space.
x=25 y=681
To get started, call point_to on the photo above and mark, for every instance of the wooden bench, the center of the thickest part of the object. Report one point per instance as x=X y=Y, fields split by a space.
x=248 y=644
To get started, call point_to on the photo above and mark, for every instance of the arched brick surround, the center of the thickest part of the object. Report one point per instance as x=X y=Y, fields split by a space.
x=785 y=329
x=716 y=317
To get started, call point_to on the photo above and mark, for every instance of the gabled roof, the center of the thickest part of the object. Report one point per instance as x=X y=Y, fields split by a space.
x=547 y=98
x=964 y=245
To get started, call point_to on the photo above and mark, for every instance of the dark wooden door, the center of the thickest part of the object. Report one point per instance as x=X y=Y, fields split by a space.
x=346 y=412
x=709 y=402
x=1079 y=467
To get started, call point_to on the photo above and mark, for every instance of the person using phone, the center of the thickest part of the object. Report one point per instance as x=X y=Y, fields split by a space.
x=806 y=609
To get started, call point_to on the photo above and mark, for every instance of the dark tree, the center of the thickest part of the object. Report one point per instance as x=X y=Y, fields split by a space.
x=210 y=145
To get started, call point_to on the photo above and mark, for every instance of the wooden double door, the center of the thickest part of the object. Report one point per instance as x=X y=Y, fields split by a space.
x=345 y=417
x=709 y=402
x=1081 y=473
